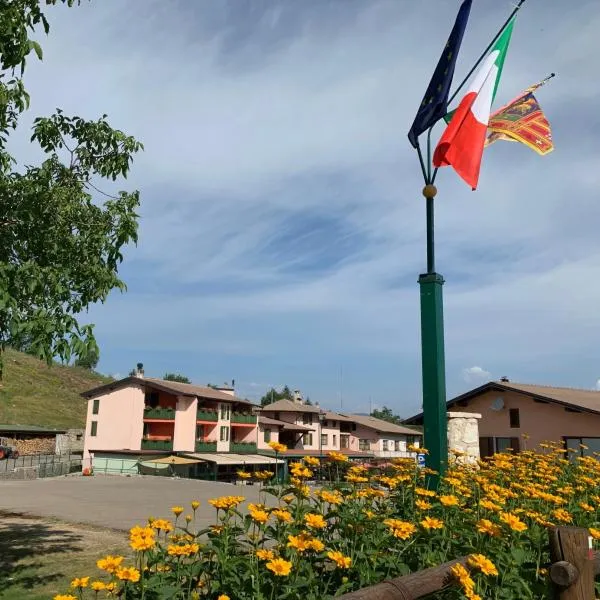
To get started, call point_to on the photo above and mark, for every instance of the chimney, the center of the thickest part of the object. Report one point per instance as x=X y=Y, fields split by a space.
x=504 y=379
x=298 y=397
x=139 y=370
x=226 y=388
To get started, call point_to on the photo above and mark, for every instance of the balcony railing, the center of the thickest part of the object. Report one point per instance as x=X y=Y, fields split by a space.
x=243 y=418
x=205 y=446
x=157 y=444
x=243 y=447
x=206 y=415
x=159 y=413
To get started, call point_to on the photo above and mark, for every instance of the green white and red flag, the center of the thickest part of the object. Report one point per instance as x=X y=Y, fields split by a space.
x=463 y=141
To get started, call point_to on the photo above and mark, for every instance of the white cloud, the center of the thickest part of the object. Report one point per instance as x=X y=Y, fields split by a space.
x=475 y=374
x=239 y=155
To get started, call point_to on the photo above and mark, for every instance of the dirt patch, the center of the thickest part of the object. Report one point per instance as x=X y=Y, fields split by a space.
x=39 y=557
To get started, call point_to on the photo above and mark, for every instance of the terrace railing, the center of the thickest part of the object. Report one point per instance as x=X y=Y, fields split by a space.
x=203 y=446
x=159 y=413
x=243 y=447
x=243 y=418
x=206 y=415
x=148 y=444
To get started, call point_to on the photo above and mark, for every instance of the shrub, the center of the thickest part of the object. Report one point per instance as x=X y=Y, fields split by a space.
x=365 y=527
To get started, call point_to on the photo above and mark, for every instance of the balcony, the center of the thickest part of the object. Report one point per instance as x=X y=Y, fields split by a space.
x=205 y=446
x=206 y=414
x=148 y=444
x=243 y=447
x=243 y=418
x=166 y=414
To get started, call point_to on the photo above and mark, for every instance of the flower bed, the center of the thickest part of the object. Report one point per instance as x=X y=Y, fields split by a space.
x=364 y=527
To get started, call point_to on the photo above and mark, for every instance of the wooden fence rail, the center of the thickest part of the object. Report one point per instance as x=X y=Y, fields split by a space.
x=572 y=572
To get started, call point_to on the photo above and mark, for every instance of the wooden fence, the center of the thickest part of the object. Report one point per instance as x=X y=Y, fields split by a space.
x=574 y=566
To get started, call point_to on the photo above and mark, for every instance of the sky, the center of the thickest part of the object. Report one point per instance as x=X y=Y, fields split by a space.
x=282 y=226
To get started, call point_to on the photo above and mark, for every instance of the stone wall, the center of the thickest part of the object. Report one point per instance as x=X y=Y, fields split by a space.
x=69 y=442
x=463 y=435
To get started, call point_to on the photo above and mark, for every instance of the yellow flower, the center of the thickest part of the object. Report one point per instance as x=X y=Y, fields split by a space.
x=343 y=562
x=110 y=563
x=400 y=529
x=485 y=565
x=489 y=505
x=283 y=516
x=64 y=597
x=422 y=504
x=432 y=523
x=279 y=567
x=486 y=526
x=142 y=538
x=315 y=521
x=277 y=447
x=332 y=497
x=265 y=554
x=337 y=456
x=226 y=502
x=513 y=521
x=98 y=586
x=80 y=582
x=464 y=578
x=560 y=514
x=195 y=504
x=223 y=597
x=162 y=524
x=595 y=533
x=316 y=545
x=244 y=474
x=259 y=516
x=128 y=574
x=177 y=510
x=449 y=500
x=312 y=461
x=424 y=492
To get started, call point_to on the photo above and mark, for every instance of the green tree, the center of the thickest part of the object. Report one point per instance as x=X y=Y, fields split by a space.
x=60 y=237
x=273 y=395
x=176 y=377
x=89 y=360
x=386 y=414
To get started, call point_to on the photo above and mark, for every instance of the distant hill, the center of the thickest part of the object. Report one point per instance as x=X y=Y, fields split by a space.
x=31 y=393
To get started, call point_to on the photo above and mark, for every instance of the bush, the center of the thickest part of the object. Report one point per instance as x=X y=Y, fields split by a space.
x=366 y=526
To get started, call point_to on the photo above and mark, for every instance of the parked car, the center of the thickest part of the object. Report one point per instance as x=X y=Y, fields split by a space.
x=8 y=452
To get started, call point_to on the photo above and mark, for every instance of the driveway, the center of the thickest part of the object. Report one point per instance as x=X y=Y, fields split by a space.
x=114 y=501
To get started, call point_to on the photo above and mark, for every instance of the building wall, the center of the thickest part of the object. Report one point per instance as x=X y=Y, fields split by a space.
x=333 y=436
x=542 y=422
x=119 y=420
x=185 y=424
x=244 y=434
x=224 y=420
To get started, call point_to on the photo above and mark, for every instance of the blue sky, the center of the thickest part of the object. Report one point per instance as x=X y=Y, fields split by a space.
x=282 y=222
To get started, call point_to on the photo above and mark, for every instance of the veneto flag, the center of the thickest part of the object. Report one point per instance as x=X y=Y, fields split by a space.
x=462 y=143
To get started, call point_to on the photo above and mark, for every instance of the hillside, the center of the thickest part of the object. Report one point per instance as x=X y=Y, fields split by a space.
x=31 y=393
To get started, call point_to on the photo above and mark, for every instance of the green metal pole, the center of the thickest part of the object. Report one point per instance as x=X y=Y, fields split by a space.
x=432 y=353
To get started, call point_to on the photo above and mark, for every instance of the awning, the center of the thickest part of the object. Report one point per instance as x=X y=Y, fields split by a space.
x=173 y=460
x=235 y=459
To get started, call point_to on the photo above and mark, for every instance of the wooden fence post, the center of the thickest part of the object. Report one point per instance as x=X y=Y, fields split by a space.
x=572 y=571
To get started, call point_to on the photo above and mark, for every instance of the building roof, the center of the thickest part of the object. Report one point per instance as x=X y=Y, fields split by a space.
x=172 y=387
x=28 y=429
x=283 y=424
x=290 y=406
x=331 y=416
x=292 y=452
x=584 y=400
x=381 y=425
x=227 y=458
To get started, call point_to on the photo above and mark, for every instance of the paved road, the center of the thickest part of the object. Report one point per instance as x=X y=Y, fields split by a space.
x=114 y=501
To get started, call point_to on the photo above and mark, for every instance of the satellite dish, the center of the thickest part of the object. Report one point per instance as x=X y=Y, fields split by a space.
x=498 y=403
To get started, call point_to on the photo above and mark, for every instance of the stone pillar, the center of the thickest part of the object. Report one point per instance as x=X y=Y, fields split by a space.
x=463 y=435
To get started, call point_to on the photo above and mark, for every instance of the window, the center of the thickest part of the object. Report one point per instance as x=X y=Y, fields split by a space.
x=96 y=407
x=324 y=440
x=94 y=429
x=224 y=434
x=151 y=399
x=515 y=420
x=398 y=445
x=78 y=437
x=411 y=440
x=199 y=432
x=344 y=441
x=307 y=439
x=325 y=423
x=581 y=446
x=307 y=419
x=225 y=412
x=364 y=445
x=334 y=441
x=267 y=436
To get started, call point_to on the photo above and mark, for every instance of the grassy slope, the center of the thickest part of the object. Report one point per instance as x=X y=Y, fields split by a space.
x=31 y=393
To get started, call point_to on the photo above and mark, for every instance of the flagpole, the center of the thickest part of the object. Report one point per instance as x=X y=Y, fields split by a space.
x=435 y=418
x=468 y=76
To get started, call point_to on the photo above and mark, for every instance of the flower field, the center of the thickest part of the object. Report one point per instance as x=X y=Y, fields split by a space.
x=364 y=525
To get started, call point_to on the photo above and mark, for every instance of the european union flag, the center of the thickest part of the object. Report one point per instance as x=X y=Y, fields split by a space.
x=435 y=101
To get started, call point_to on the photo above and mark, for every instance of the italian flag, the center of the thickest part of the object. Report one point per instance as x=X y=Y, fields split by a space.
x=461 y=145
